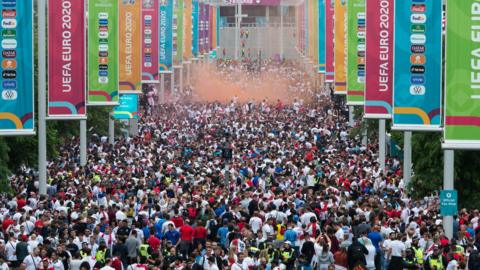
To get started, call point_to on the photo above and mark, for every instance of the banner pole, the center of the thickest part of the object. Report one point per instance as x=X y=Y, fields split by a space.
x=42 y=125
x=133 y=123
x=83 y=142
x=350 y=116
x=162 y=88
x=407 y=157
x=180 y=79
x=381 y=148
x=172 y=83
x=448 y=170
x=365 y=134
x=111 y=129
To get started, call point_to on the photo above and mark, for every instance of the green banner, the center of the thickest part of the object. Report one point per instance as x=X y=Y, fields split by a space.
x=178 y=47
x=103 y=52
x=462 y=77
x=355 y=52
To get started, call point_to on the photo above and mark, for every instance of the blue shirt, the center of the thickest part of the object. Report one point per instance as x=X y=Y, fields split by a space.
x=172 y=236
x=376 y=238
x=222 y=235
x=291 y=235
x=158 y=225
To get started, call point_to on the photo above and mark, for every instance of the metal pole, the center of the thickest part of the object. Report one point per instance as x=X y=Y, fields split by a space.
x=381 y=148
x=180 y=79
x=111 y=129
x=133 y=123
x=42 y=124
x=172 y=82
x=364 y=135
x=407 y=157
x=448 y=170
x=237 y=29
x=162 y=88
x=350 y=116
x=281 y=29
x=83 y=142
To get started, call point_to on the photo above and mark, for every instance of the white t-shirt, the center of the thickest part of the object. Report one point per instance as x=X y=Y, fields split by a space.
x=255 y=223
x=398 y=247
x=267 y=230
x=452 y=265
x=32 y=262
x=11 y=248
x=370 y=257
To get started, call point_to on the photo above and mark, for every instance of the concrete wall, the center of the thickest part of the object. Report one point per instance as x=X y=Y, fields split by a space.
x=266 y=39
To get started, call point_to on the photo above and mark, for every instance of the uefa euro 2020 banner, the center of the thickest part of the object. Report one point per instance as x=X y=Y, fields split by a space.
x=462 y=81
x=379 y=62
x=356 y=52
x=178 y=28
x=321 y=36
x=127 y=107
x=165 y=51
x=195 y=30
x=103 y=52
x=329 y=38
x=150 y=43
x=16 y=102
x=340 y=76
x=418 y=62
x=66 y=59
x=130 y=53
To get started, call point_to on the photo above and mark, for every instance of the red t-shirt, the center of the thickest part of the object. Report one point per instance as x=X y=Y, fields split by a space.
x=21 y=203
x=200 y=232
x=6 y=223
x=186 y=233
x=178 y=221
x=154 y=242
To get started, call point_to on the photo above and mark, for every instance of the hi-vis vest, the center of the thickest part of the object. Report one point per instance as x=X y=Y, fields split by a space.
x=83 y=254
x=144 y=251
x=436 y=263
x=286 y=255
x=100 y=256
x=418 y=254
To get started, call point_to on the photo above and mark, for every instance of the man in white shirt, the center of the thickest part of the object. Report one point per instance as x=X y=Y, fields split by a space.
x=255 y=222
x=267 y=229
x=32 y=261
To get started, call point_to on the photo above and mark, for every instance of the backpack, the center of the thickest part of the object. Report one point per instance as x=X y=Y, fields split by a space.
x=357 y=252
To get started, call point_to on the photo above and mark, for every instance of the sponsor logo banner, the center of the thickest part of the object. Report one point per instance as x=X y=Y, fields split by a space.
x=165 y=51
x=103 y=21
x=329 y=39
x=16 y=92
x=127 y=107
x=355 y=52
x=417 y=100
x=150 y=43
x=340 y=70
x=66 y=59
x=321 y=36
x=462 y=76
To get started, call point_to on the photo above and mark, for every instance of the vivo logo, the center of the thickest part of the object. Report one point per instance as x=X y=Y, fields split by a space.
x=417 y=79
x=417 y=90
x=9 y=84
x=9 y=94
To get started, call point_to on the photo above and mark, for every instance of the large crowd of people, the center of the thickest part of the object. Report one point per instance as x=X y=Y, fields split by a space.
x=242 y=186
